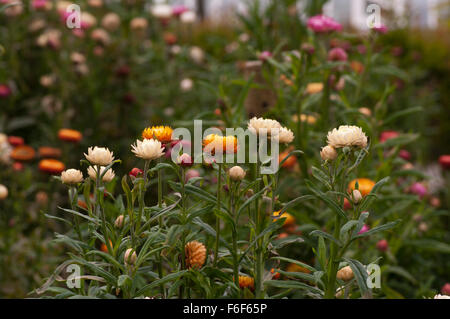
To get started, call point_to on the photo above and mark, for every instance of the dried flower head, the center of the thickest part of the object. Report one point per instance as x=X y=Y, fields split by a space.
x=347 y=135
x=195 y=254
x=148 y=149
x=71 y=176
x=99 y=156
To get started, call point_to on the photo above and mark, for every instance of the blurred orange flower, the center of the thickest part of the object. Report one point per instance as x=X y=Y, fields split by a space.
x=23 y=153
x=365 y=185
x=47 y=151
x=51 y=166
x=69 y=135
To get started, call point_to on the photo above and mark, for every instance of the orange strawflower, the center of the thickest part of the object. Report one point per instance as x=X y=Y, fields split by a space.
x=104 y=248
x=195 y=254
x=290 y=162
x=214 y=142
x=289 y=221
x=365 y=185
x=46 y=151
x=51 y=166
x=23 y=153
x=69 y=135
x=246 y=282
x=161 y=133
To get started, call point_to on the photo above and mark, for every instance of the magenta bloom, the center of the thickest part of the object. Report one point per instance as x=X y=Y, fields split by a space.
x=179 y=10
x=381 y=29
x=404 y=154
x=364 y=229
x=38 y=4
x=445 y=290
x=382 y=245
x=337 y=54
x=5 y=91
x=323 y=24
x=264 y=55
x=419 y=189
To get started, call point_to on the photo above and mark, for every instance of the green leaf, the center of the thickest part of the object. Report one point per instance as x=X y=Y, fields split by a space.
x=369 y=199
x=292 y=284
x=320 y=176
x=377 y=229
x=361 y=275
x=402 y=113
x=325 y=235
x=296 y=262
x=156 y=283
x=295 y=202
x=328 y=201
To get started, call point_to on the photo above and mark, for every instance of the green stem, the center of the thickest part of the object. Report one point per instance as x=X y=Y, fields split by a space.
x=219 y=191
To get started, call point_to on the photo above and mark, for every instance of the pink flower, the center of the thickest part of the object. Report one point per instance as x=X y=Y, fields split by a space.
x=361 y=49
x=39 y=4
x=381 y=29
x=419 y=189
x=5 y=91
x=445 y=290
x=404 y=154
x=178 y=10
x=191 y=173
x=264 y=55
x=186 y=145
x=364 y=229
x=382 y=245
x=337 y=54
x=322 y=24
x=386 y=135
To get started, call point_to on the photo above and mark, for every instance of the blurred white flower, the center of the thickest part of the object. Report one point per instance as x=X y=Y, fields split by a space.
x=162 y=11
x=186 y=84
x=111 y=21
x=438 y=296
x=148 y=149
x=188 y=17
x=197 y=54
x=3 y=192
x=347 y=135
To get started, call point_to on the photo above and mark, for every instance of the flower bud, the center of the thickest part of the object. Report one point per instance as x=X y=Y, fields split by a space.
x=356 y=194
x=119 y=221
x=130 y=257
x=184 y=160
x=328 y=153
x=345 y=273
x=195 y=254
x=135 y=172
x=236 y=173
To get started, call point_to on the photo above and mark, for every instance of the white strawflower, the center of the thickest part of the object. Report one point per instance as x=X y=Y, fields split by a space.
x=71 y=176
x=257 y=125
x=236 y=173
x=109 y=175
x=186 y=84
x=99 y=156
x=438 y=296
x=328 y=153
x=148 y=149
x=188 y=17
x=3 y=192
x=197 y=54
x=347 y=135
x=162 y=11
x=285 y=135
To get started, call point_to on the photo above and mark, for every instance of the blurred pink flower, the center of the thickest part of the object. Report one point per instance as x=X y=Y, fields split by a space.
x=381 y=29
x=178 y=10
x=364 y=229
x=191 y=173
x=38 y=4
x=321 y=24
x=404 y=154
x=418 y=189
x=337 y=54
x=382 y=245
x=445 y=290
x=264 y=55
x=5 y=91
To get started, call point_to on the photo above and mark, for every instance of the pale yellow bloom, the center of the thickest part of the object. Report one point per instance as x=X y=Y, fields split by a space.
x=71 y=176
x=108 y=177
x=99 y=156
x=148 y=149
x=347 y=135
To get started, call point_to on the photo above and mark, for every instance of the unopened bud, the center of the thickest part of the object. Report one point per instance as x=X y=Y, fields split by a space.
x=130 y=257
x=328 y=153
x=236 y=173
x=119 y=221
x=356 y=196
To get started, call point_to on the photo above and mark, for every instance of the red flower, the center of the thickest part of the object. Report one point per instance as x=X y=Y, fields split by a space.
x=386 y=135
x=444 y=160
x=15 y=140
x=135 y=172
